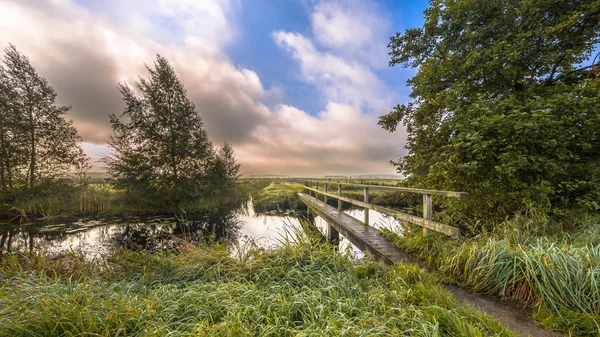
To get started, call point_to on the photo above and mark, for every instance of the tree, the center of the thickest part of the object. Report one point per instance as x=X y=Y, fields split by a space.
x=38 y=143
x=82 y=166
x=161 y=148
x=224 y=170
x=502 y=107
x=7 y=131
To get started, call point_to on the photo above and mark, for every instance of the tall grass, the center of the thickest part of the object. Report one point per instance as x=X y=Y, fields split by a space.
x=557 y=275
x=300 y=289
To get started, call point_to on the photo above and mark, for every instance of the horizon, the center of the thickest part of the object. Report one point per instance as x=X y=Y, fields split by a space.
x=333 y=52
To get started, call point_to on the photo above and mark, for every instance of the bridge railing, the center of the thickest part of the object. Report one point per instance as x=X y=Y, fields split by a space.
x=426 y=221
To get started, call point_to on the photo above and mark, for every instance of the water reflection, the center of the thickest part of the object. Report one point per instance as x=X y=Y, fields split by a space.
x=94 y=237
x=241 y=226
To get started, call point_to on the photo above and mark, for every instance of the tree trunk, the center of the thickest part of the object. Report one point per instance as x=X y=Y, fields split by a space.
x=9 y=172
x=3 y=179
x=3 y=154
x=32 y=162
x=31 y=172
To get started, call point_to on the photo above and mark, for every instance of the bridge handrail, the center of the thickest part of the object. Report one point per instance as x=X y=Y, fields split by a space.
x=425 y=222
x=452 y=194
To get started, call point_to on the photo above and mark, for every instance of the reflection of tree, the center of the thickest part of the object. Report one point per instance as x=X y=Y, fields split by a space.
x=217 y=226
x=152 y=234
x=211 y=226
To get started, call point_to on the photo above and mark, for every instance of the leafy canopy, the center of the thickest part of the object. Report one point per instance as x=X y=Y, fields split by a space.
x=504 y=106
x=37 y=143
x=161 y=149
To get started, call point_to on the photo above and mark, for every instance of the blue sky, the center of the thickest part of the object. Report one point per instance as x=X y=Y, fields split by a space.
x=256 y=49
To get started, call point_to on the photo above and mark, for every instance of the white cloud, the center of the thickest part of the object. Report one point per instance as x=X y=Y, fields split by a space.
x=342 y=81
x=354 y=29
x=84 y=54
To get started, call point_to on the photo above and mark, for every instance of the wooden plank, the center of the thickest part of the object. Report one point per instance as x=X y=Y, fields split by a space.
x=427 y=210
x=339 y=198
x=452 y=194
x=366 y=238
x=366 y=210
x=436 y=226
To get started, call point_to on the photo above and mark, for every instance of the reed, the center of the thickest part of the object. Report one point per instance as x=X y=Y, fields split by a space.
x=556 y=275
x=299 y=289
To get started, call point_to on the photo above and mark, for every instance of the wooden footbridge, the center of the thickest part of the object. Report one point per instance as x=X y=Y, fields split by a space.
x=365 y=237
x=369 y=240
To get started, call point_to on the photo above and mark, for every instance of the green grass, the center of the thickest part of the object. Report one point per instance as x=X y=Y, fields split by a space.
x=102 y=199
x=277 y=195
x=299 y=289
x=557 y=275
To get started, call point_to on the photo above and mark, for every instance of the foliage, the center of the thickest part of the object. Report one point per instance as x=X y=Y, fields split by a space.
x=37 y=143
x=300 y=289
x=162 y=153
x=500 y=108
x=556 y=274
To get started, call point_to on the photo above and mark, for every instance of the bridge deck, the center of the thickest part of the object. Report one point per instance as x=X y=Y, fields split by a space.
x=366 y=238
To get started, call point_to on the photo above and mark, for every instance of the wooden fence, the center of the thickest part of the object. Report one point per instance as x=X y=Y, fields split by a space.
x=424 y=221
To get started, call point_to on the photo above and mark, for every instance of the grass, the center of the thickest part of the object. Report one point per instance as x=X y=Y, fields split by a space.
x=300 y=289
x=278 y=195
x=102 y=199
x=558 y=275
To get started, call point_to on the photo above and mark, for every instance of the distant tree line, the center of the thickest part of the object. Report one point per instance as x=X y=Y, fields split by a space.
x=161 y=151
x=506 y=104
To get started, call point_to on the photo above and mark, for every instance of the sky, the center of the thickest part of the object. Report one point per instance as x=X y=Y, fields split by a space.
x=296 y=86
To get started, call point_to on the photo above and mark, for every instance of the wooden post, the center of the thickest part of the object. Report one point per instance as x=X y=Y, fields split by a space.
x=366 y=210
x=427 y=209
x=339 y=200
x=326 y=190
x=333 y=235
x=317 y=193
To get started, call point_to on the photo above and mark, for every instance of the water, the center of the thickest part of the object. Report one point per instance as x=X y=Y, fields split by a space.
x=241 y=227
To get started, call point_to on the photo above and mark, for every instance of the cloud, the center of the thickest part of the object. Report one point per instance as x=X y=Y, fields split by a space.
x=86 y=52
x=339 y=139
x=341 y=80
x=353 y=29
x=85 y=59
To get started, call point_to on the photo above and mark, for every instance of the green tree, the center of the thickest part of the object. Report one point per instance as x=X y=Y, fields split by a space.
x=161 y=149
x=502 y=107
x=39 y=143
x=8 y=120
x=224 y=170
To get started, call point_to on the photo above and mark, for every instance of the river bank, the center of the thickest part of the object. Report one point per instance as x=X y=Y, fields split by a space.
x=300 y=288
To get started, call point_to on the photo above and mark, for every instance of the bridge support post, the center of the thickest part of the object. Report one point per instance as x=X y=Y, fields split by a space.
x=366 y=210
x=326 y=190
x=339 y=200
x=317 y=193
x=427 y=209
x=333 y=236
